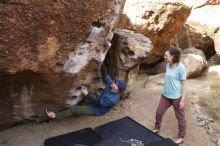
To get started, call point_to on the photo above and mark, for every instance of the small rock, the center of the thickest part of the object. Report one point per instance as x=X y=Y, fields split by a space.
x=214 y=139
x=216 y=127
x=210 y=131
x=201 y=123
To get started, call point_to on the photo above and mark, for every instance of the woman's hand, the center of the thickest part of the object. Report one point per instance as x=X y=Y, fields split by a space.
x=181 y=103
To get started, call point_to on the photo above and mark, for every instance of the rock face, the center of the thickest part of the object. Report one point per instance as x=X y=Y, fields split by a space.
x=193 y=59
x=206 y=16
x=188 y=37
x=217 y=42
x=62 y=42
x=39 y=35
x=212 y=70
x=213 y=67
x=68 y=41
x=129 y=49
x=155 y=69
x=158 y=21
x=208 y=2
x=24 y=96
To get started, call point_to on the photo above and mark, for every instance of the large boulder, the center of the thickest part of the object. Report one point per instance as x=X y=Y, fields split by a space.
x=205 y=13
x=213 y=67
x=41 y=35
x=159 y=21
x=24 y=96
x=188 y=37
x=204 y=17
x=63 y=43
x=207 y=2
x=217 y=42
x=154 y=81
x=212 y=70
x=193 y=59
x=129 y=49
x=157 y=68
x=201 y=26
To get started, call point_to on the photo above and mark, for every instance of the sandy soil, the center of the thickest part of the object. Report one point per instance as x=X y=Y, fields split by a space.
x=141 y=106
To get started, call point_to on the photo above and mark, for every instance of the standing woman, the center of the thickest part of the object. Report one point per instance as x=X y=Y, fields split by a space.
x=173 y=92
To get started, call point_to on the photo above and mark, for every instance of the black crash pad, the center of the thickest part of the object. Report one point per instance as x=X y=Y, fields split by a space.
x=163 y=142
x=125 y=132
x=84 y=137
x=122 y=132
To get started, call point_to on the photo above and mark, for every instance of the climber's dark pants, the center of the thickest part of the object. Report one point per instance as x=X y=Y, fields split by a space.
x=83 y=109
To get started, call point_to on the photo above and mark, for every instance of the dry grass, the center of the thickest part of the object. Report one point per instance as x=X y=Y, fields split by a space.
x=211 y=102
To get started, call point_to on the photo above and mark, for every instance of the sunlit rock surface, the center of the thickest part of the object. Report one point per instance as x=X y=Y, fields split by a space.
x=204 y=18
x=188 y=37
x=193 y=59
x=217 y=42
x=63 y=43
x=213 y=67
x=158 y=20
x=129 y=49
x=207 y=16
x=39 y=35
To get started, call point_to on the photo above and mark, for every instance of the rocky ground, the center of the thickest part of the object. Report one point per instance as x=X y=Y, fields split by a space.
x=141 y=106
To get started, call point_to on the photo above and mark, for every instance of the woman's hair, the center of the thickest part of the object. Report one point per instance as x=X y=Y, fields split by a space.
x=175 y=53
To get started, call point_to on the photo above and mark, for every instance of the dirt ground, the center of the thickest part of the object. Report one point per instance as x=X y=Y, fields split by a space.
x=141 y=106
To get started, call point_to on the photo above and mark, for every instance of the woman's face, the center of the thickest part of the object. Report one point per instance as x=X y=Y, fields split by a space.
x=168 y=57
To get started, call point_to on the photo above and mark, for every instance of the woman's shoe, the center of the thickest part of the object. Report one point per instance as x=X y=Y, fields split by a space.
x=155 y=131
x=179 y=141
